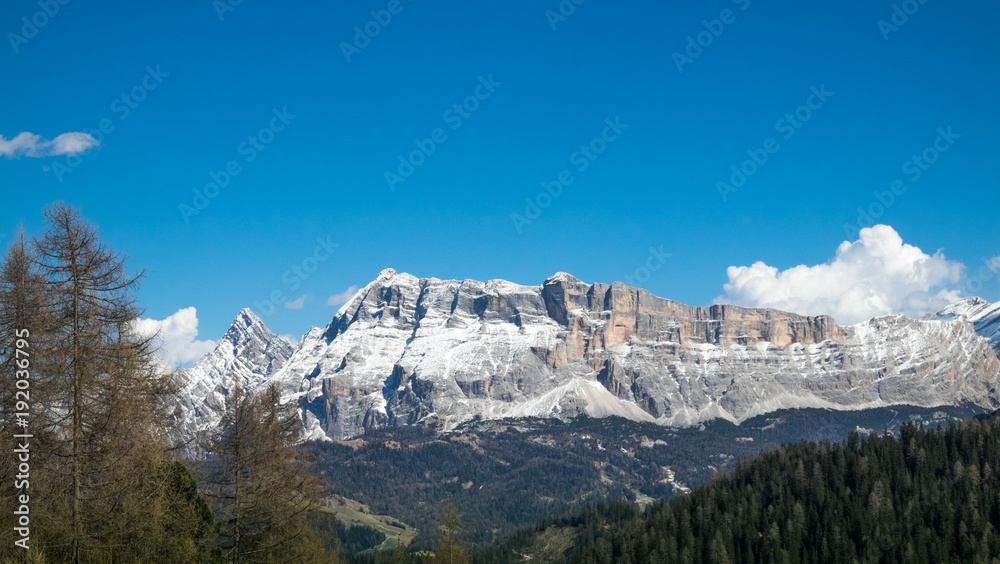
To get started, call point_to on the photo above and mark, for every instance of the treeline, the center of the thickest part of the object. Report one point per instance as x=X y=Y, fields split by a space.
x=924 y=496
x=84 y=409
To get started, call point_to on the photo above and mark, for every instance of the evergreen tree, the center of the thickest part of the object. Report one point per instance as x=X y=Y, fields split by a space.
x=449 y=548
x=104 y=392
x=99 y=488
x=259 y=482
x=23 y=343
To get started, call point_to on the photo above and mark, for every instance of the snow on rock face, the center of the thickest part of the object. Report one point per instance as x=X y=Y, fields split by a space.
x=247 y=356
x=405 y=350
x=984 y=316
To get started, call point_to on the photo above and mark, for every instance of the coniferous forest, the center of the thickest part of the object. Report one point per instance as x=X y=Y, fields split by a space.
x=926 y=495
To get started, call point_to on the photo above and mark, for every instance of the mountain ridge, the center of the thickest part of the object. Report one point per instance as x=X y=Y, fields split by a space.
x=405 y=350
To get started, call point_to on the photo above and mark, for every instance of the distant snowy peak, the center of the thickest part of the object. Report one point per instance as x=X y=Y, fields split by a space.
x=564 y=277
x=246 y=356
x=983 y=315
x=253 y=344
x=965 y=307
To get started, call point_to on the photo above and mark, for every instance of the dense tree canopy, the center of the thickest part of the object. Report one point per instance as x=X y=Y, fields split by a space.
x=920 y=497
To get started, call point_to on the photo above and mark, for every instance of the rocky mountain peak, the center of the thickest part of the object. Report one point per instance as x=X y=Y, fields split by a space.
x=972 y=307
x=247 y=318
x=246 y=326
x=984 y=317
x=247 y=356
x=562 y=277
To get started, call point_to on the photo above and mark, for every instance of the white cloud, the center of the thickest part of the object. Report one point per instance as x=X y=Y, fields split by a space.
x=177 y=339
x=876 y=275
x=72 y=143
x=343 y=297
x=27 y=144
x=24 y=143
x=297 y=303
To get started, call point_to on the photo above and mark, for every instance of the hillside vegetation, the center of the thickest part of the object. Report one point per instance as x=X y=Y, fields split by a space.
x=924 y=495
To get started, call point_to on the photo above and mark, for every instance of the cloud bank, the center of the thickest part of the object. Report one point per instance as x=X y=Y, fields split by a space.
x=27 y=144
x=177 y=339
x=876 y=275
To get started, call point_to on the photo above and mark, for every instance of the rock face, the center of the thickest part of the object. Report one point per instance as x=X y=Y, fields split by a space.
x=246 y=356
x=405 y=350
x=983 y=315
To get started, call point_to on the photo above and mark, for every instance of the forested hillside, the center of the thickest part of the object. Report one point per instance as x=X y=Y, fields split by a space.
x=926 y=495
x=503 y=476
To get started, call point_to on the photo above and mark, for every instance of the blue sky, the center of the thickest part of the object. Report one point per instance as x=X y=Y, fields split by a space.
x=183 y=93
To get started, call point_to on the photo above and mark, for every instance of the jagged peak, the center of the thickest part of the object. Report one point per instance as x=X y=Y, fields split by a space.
x=389 y=277
x=249 y=326
x=970 y=307
x=386 y=277
x=564 y=277
x=248 y=317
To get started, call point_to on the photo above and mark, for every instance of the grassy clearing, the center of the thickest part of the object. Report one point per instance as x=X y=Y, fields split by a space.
x=351 y=512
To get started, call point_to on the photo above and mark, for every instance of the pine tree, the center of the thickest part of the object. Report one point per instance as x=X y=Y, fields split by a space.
x=100 y=490
x=260 y=484
x=23 y=318
x=104 y=392
x=400 y=555
x=717 y=550
x=449 y=549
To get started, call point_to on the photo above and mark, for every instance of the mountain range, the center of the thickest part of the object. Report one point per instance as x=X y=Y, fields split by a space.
x=410 y=351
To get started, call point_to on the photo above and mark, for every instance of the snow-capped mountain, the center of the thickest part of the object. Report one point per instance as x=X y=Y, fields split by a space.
x=247 y=356
x=405 y=350
x=983 y=315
